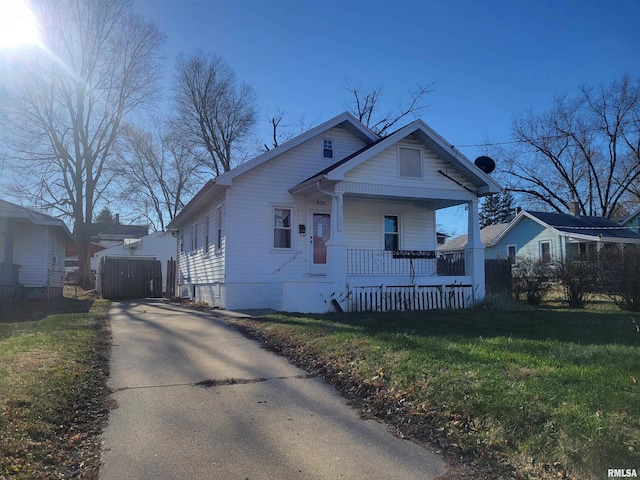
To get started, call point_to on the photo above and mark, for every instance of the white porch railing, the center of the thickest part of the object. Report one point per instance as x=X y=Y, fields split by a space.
x=385 y=299
x=382 y=262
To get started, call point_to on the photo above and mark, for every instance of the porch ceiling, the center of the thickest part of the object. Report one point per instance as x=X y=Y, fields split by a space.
x=436 y=198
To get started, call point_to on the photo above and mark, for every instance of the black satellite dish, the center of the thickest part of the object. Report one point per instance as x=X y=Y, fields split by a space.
x=486 y=164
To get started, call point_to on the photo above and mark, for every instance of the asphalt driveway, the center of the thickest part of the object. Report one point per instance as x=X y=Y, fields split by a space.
x=197 y=400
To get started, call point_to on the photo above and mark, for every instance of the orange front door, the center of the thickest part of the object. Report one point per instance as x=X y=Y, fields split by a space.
x=321 y=233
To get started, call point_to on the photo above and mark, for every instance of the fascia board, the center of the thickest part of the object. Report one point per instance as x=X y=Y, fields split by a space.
x=457 y=161
x=227 y=178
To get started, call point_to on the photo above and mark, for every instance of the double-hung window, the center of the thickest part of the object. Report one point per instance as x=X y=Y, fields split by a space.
x=194 y=237
x=282 y=228
x=391 y=232
x=206 y=235
x=219 y=230
x=327 y=148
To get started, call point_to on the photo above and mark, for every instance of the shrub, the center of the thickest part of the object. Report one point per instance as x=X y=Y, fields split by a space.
x=579 y=280
x=620 y=273
x=531 y=278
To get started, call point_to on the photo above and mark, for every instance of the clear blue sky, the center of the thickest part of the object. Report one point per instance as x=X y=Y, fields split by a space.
x=489 y=59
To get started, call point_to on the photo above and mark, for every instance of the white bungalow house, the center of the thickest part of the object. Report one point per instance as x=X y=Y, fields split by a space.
x=336 y=218
x=32 y=249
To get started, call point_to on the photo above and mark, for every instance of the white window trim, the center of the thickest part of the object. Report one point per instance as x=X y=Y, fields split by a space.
x=291 y=208
x=399 y=217
x=333 y=148
x=218 y=248
x=207 y=229
x=194 y=238
x=410 y=147
x=543 y=242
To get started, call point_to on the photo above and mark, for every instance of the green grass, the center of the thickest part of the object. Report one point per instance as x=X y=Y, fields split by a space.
x=53 y=361
x=545 y=392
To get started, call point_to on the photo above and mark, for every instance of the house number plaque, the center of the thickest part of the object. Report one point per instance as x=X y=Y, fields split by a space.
x=414 y=254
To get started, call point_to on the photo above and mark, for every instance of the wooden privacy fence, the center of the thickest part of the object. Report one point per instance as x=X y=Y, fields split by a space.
x=171 y=278
x=497 y=276
x=131 y=278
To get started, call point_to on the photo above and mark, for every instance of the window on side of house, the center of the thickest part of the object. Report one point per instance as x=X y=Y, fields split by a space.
x=391 y=232
x=282 y=228
x=327 y=148
x=182 y=242
x=409 y=162
x=545 y=251
x=194 y=237
x=219 y=231
x=206 y=235
x=512 y=252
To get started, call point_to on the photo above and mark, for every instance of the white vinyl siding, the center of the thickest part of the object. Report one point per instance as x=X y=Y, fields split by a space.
x=254 y=195
x=363 y=218
x=382 y=169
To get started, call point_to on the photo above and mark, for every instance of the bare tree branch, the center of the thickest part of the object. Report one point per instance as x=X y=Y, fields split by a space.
x=66 y=104
x=213 y=111
x=366 y=105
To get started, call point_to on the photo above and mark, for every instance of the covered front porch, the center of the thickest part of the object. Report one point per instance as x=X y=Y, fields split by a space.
x=377 y=252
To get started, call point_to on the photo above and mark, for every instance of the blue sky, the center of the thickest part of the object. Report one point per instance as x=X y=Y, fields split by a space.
x=489 y=60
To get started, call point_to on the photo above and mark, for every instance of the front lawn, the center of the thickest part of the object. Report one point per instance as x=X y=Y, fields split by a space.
x=540 y=393
x=53 y=393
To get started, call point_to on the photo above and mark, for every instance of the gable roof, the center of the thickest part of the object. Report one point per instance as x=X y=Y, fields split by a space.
x=630 y=217
x=216 y=186
x=487 y=235
x=17 y=212
x=580 y=227
x=424 y=134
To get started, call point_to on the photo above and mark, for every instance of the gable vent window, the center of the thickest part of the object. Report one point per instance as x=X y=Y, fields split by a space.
x=409 y=162
x=327 y=148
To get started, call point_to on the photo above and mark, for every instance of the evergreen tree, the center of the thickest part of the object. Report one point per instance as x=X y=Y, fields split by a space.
x=496 y=209
x=105 y=216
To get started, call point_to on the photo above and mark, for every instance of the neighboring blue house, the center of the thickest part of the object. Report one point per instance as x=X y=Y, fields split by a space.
x=552 y=235
x=632 y=221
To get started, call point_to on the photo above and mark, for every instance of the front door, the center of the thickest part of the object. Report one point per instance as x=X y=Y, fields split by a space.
x=320 y=235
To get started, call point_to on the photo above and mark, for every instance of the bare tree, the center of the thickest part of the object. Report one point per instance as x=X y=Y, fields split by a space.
x=65 y=104
x=283 y=130
x=584 y=150
x=213 y=111
x=157 y=171
x=367 y=105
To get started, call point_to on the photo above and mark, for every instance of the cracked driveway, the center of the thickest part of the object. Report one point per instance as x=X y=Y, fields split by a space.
x=197 y=400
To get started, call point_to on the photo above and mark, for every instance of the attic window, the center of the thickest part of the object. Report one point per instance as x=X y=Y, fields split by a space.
x=327 y=148
x=409 y=162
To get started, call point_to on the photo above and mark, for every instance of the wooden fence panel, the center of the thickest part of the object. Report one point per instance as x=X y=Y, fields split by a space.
x=131 y=278
x=497 y=276
x=171 y=278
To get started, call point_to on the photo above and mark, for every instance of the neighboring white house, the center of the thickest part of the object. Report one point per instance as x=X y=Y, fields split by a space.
x=336 y=218
x=156 y=246
x=555 y=236
x=32 y=249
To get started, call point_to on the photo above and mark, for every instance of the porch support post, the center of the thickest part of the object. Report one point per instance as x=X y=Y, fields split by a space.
x=7 y=272
x=336 y=245
x=474 y=253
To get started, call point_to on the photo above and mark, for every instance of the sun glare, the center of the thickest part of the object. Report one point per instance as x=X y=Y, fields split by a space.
x=18 y=25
